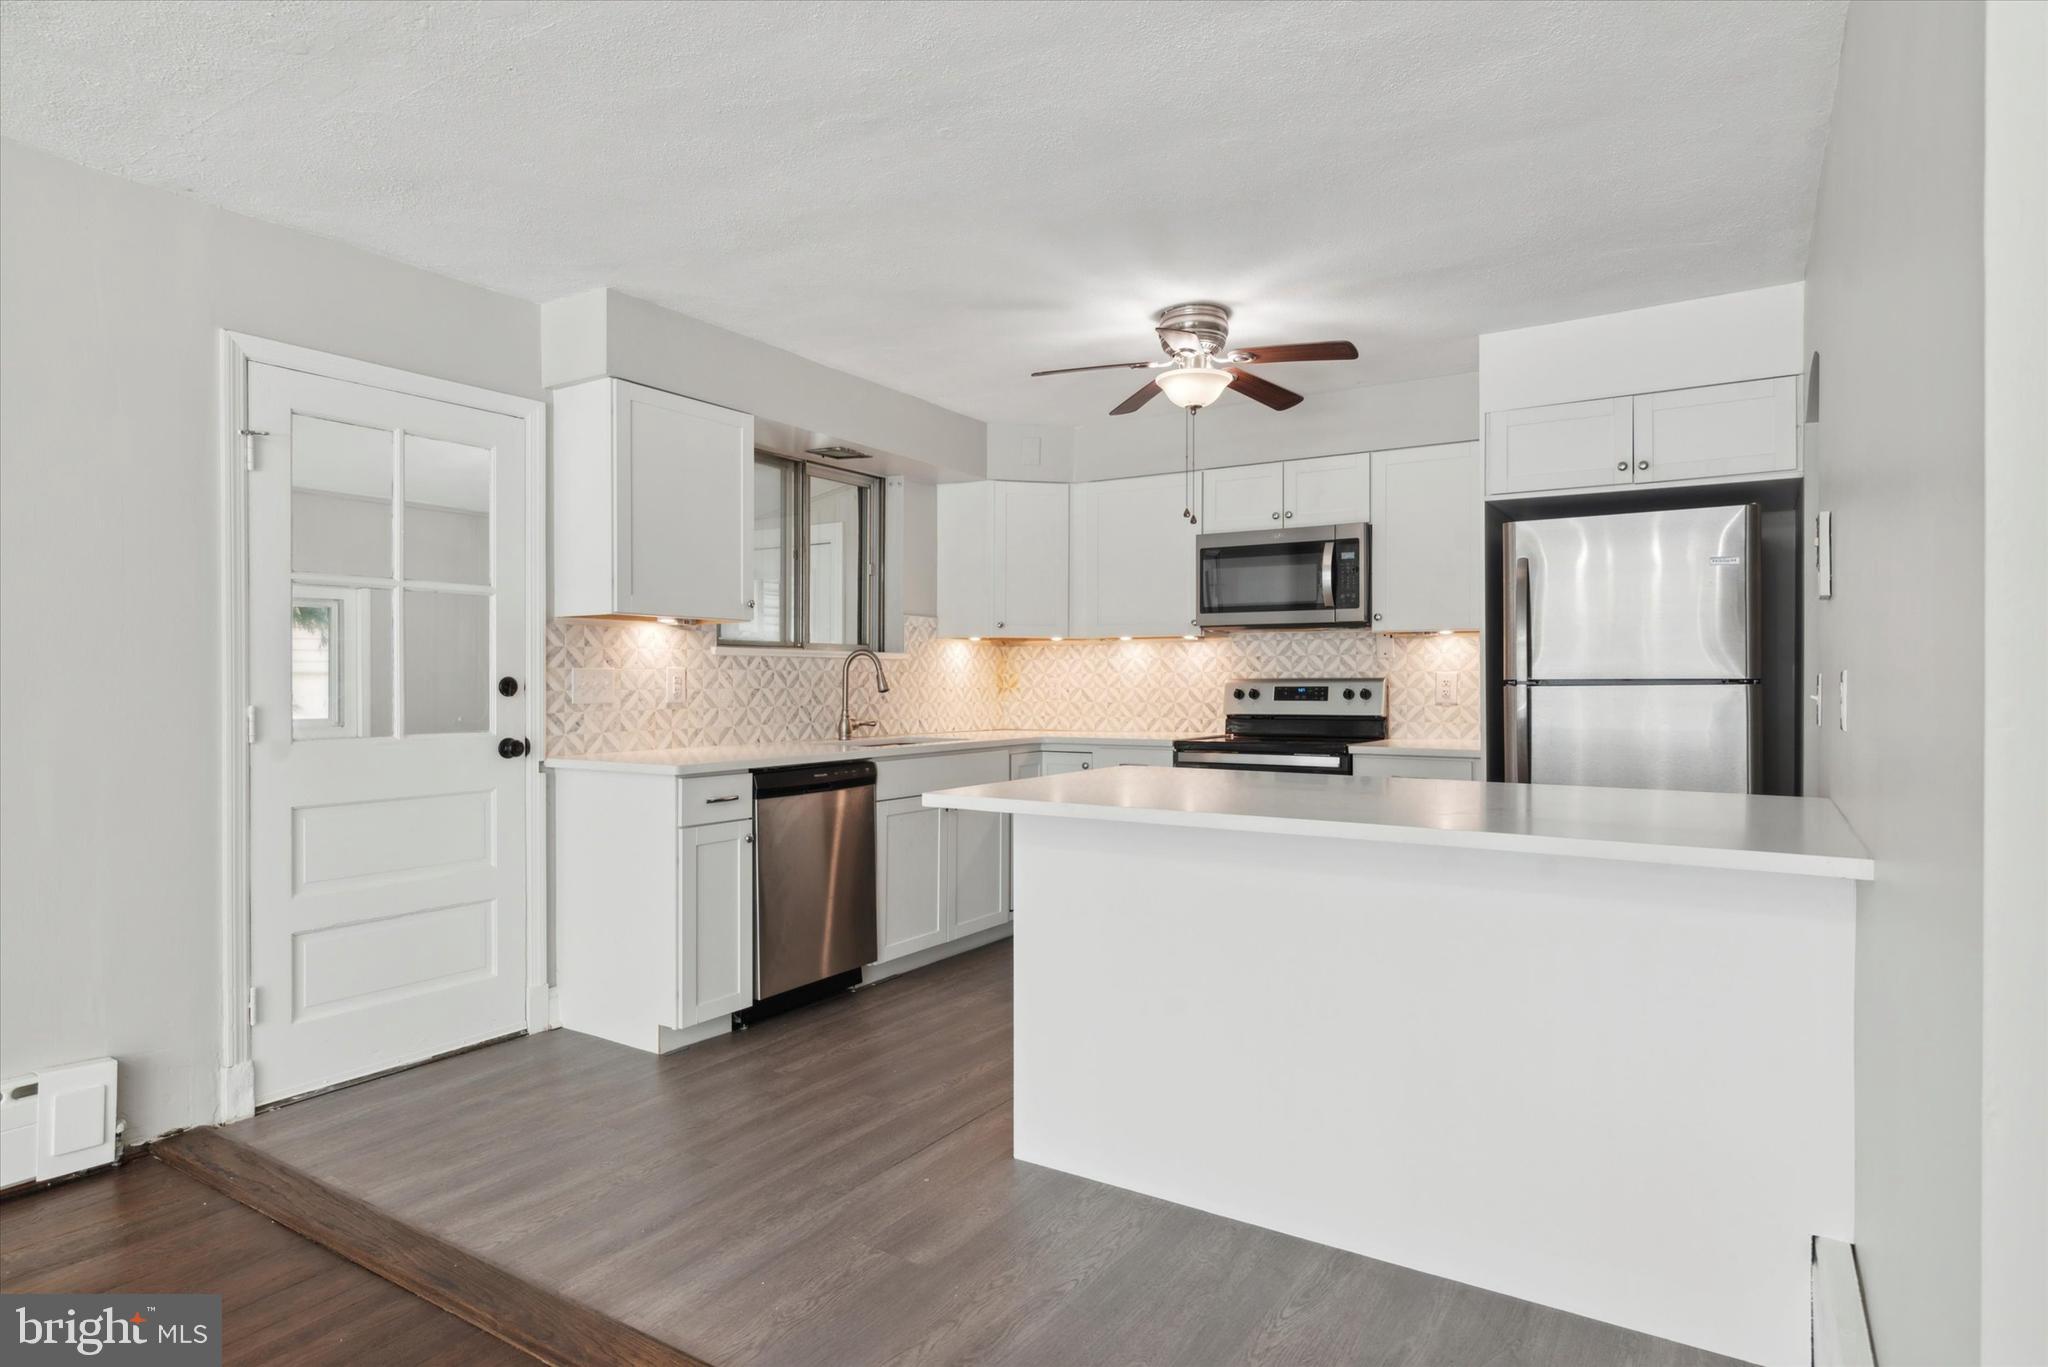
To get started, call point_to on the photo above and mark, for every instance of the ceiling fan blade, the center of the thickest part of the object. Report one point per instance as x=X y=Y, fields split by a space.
x=1265 y=391
x=1137 y=400
x=1297 y=351
x=1120 y=365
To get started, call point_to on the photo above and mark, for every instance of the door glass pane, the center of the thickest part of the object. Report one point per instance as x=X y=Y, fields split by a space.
x=1267 y=578
x=341 y=498
x=447 y=511
x=836 y=579
x=767 y=571
x=340 y=662
x=447 y=662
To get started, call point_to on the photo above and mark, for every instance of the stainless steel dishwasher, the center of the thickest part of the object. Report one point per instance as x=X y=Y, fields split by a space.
x=814 y=879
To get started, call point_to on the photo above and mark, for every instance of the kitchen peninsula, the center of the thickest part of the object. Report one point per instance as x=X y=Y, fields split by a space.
x=1590 y=1047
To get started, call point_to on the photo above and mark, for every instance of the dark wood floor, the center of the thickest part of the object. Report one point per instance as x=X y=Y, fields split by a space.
x=144 y=1227
x=835 y=1187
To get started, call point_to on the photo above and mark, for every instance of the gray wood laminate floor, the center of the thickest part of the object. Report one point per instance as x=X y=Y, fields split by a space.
x=835 y=1187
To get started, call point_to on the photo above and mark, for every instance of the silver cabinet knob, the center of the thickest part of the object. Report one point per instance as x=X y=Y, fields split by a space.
x=1288 y=514
x=999 y=624
x=1621 y=465
x=1084 y=764
x=1642 y=465
x=1276 y=517
x=1377 y=616
x=750 y=604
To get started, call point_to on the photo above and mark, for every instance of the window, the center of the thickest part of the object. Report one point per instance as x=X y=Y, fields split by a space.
x=813 y=578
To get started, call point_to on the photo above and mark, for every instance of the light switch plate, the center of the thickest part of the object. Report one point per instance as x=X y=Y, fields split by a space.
x=1447 y=690
x=678 y=689
x=588 y=686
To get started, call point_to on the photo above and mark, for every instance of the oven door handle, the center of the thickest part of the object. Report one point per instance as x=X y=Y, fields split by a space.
x=1329 y=573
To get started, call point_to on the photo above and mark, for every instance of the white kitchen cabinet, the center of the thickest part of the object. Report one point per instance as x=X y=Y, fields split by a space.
x=1243 y=498
x=1428 y=529
x=977 y=846
x=1559 y=446
x=1326 y=490
x=1066 y=761
x=1126 y=756
x=1717 y=432
x=1002 y=560
x=1413 y=766
x=1133 y=571
x=910 y=894
x=714 y=921
x=652 y=504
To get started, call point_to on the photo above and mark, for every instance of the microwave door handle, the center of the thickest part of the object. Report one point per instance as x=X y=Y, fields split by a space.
x=1329 y=566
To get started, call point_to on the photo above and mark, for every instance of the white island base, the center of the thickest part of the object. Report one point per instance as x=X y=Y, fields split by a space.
x=1620 y=1088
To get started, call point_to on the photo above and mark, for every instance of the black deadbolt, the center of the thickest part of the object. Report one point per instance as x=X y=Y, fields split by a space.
x=511 y=748
x=508 y=685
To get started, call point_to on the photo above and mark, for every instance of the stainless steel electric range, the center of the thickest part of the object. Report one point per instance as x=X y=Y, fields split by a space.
x=1291 y=726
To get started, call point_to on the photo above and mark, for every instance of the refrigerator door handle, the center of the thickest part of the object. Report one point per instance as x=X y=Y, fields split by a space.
x=1524 y=647
x=1518 y=735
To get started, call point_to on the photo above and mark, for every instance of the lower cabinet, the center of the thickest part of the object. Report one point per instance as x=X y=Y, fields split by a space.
x=1413 y=766
x=940 y=875
x=1066 y=761
x=714 y=921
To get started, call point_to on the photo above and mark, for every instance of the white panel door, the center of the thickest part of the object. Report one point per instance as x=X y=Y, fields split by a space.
x=387 y=597
x=1031 y=567
x=1718 y=431
x=1133 y=558
x=910 y=877
x=978 y=850
x=1559 y=446
x=714 y=921
x=1242 y=498
x=1327 y=489
x=1428 y=529
x=685 y=515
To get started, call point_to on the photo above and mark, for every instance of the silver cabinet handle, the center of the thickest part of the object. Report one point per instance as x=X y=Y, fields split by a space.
x=999 y=624
x=1084 y=764
x=1378 y=615
x=1276 y=517
x=729 y=797
x=1642 y=465
x=1621 y=465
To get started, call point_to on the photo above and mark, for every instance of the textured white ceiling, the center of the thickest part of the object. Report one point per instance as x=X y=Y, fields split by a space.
x=943 y=197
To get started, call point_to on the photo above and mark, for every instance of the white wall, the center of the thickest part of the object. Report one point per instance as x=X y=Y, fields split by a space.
x=2015 y=1237
x=1749 y=335
x=1238 y=431
x=1025 y=451
x=110 y=297
x=1895 y=307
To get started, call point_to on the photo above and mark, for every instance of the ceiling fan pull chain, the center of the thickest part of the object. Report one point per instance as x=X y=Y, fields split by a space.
x=1188 y=471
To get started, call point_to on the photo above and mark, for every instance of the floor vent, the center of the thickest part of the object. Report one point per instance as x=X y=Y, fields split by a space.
x=56 y=1121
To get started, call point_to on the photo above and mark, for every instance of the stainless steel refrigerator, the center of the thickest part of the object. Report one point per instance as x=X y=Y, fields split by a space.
x=1632 y=650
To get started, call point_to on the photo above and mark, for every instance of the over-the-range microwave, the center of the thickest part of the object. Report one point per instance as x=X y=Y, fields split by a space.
x=1287 y=577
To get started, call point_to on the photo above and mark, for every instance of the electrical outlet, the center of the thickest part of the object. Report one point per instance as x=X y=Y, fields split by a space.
x=1446 y=690
x=588 y=686
x=677 y=691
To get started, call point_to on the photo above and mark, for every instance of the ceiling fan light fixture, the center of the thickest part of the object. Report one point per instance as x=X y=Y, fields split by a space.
x=1194 y=387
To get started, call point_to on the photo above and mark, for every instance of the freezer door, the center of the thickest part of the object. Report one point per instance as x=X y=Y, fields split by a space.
x=1663 y=595
x=1695 y=737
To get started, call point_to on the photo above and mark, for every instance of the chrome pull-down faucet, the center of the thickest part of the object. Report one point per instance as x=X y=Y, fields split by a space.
x=847 y=725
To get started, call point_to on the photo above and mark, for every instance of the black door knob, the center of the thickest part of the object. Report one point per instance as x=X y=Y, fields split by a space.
x=508 y=685
x=512 y=748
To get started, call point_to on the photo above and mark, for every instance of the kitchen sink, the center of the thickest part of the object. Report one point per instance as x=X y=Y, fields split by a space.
x=883 y=742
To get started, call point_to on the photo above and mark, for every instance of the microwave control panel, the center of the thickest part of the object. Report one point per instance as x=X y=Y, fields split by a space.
x=1344 y=575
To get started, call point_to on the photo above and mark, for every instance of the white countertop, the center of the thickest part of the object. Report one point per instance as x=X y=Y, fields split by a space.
x=1701 y=830
x=727 y=759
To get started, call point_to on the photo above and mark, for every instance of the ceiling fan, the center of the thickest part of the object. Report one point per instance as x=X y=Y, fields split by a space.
x=1199 y=365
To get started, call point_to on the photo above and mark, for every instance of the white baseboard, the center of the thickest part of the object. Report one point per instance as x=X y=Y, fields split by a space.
x=667 y=1041
x=875 y=973
x=554 y=1016
x=237 y=1098
x=1841 y=1333
x=540 y=1008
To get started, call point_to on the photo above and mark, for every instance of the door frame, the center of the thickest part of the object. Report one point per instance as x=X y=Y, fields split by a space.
x=236 y=1098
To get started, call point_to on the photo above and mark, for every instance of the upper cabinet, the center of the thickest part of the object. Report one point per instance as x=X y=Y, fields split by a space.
x=1133 y=558
x=1725 y=431
x=1002 y=559
x=1317 y=492
x=652 y=504
x=1428 y=519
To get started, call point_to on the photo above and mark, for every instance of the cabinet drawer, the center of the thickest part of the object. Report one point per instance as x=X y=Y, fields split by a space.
x=919 y=774
x=1413 y=766
x=1110 y=756
x=720 y=797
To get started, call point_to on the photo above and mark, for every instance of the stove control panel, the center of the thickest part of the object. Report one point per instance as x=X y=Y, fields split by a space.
x=1306 y=697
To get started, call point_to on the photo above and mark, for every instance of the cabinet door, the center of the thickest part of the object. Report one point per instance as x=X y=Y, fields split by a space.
x=1413 y=766
x=1328 y=489
x=978 y=854
x=1133 y=558
x=1559 y=446
x=1718 y=431
x=714 y=921
x=966 y=559
x=1031 y=569
x=684 y=484
x=1022 y=765
x=1242 y=498
x=1066 y=761
x=910 y=893
x=1428 y=519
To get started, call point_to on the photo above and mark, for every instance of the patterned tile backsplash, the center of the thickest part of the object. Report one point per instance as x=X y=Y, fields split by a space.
x=954 y=685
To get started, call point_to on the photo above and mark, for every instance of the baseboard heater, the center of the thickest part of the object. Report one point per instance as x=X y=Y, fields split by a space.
x=57 y=1121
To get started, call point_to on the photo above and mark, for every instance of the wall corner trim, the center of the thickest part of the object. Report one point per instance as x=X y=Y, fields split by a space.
x=1841 y=1332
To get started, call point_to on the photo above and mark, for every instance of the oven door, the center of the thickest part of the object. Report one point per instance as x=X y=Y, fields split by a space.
x=1296 y=577
x=1271 y=756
